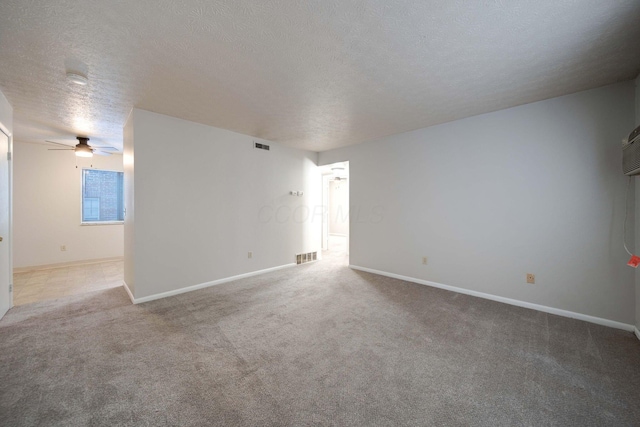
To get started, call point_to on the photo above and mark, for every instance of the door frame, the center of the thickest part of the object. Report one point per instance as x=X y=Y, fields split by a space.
x=326 y=178
x=5 y=131
x=325 y=212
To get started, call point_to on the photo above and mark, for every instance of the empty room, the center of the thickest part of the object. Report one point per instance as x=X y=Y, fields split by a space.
x=355 y=213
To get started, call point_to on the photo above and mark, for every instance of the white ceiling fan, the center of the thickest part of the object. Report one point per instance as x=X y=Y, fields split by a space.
x=83 y=149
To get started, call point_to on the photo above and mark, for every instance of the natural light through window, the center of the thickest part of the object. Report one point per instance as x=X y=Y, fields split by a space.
x=102 y=197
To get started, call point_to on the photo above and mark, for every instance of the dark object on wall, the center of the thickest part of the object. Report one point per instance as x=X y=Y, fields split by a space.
x=631 y=153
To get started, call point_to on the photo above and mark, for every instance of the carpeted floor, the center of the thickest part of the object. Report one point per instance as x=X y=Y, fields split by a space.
x=315 y=345
x=53 y=283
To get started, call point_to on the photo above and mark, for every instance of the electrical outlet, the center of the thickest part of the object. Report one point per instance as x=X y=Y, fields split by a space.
x=424 y=260
x=63 y=248
x=531 y=278
x=250 y=255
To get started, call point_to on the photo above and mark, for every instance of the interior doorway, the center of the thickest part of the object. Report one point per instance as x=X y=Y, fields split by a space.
x=335 y=199
x=77 y=246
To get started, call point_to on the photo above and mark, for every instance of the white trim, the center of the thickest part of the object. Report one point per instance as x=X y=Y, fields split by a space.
x=9 y=237
x=637 y=332
x=126 y=288
x=205 y=285
x=325 y=212
x=66 y=264
x=543 y=308
x=11 y=269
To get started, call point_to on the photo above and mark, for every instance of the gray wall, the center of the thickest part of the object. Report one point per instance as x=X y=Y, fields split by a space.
x=532 y=189
x=6 y=114
x=637 y=211
x=203 y=198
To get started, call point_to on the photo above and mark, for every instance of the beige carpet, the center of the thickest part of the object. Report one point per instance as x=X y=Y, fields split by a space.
x=315 y=345
x=52 y=283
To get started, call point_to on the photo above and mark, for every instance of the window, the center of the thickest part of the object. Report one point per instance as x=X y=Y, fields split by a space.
x=91 y=209
x=102 y=196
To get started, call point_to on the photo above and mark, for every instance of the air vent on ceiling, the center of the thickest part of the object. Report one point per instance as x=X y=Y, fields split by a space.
x=261 y=146
x=308 y=257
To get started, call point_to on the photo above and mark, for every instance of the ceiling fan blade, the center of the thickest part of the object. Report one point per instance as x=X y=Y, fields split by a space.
x=100 y=147
x=58 y=143
x=101 y=153
x=61 y=149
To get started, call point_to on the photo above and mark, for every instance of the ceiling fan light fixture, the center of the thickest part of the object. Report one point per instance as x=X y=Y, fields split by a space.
x=77 y=78
x=83 y=151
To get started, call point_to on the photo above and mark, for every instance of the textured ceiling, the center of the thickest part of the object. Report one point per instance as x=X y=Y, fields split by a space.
x=311 y=74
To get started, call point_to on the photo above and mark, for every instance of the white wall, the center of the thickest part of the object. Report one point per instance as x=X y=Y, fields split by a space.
x=339 y=208
x=129 y=203
x=46 y=206
x=204 y=198
x=532 y=189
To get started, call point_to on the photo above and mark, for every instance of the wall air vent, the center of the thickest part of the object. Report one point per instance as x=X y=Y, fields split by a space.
x=308 y=257
x=631 y=153
x=261 y=146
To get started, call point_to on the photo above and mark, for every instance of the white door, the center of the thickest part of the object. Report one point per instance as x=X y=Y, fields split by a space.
x=5 y=263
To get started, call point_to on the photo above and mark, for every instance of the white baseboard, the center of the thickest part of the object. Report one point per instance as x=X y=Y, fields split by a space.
x=66 y=264
x=203 y=285
x=126 y=288
x=637 y=332
x=543 y=308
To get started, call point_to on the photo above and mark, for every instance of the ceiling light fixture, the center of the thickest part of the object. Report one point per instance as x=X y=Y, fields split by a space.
x=77 y=78
x=83 y=150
